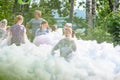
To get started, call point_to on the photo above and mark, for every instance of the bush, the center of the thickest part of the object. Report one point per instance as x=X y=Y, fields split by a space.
x=97 y=34
x=114 y=28
x=6 y=10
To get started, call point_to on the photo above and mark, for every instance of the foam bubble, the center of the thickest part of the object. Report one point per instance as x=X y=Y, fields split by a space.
x=91 y=61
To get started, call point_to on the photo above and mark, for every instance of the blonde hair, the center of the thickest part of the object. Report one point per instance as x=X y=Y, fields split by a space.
x=38 y=12
x=18 y=18
x=44 y=22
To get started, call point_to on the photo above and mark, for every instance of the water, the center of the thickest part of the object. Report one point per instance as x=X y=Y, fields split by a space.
x=91 y=61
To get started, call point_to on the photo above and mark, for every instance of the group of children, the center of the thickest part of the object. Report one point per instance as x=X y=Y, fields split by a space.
x=14 y=34
x=17 y=33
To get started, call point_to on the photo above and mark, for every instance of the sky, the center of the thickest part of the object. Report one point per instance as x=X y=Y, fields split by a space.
x=77 y=4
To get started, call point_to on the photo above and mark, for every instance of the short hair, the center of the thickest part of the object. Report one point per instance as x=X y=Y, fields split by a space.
x=39 y=12
x=4 y=21
x=54 y=28
x=18 y=18
x=44 y=22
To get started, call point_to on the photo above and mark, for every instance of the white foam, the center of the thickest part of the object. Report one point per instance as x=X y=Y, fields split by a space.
x=91 y=61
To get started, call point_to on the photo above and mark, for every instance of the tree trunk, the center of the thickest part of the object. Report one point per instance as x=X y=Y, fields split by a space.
x=71 y=11
x=93 y=11
x=89 y=13
x=116 y=5
x=110 y=5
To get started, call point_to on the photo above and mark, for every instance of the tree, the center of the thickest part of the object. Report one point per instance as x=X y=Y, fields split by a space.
x=71 y=11
x=116 y=5
x=9 y=8
x=93 y=11
x=6 y=10
x=110 y=4
x=104 y=7
x=89 y=13
x=48 y=6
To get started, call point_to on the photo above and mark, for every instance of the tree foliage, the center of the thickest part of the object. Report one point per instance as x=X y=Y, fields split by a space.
x=9 y=8
x=114 y=27
x=6 y=10
x=106 y=19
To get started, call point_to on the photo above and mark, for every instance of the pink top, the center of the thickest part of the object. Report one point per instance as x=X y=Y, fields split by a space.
x=17 y=32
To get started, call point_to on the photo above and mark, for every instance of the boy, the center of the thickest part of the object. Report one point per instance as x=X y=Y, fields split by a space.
x=3 y=27
x=66 y=45
x=43 y=29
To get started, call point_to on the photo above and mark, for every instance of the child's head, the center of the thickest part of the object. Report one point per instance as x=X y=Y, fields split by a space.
x=37 y=14
x=18 y=19
x=68 y=25
x=3 y=23
x=68 y=32
x=54 y=28
x=44 y=25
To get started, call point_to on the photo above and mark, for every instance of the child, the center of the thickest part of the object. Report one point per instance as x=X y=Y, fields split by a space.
x=70 y=25
x=66 y=45
x=34 y=24
x=43 y=29
x=3 y=27
x=54 y=28
x=17 y=31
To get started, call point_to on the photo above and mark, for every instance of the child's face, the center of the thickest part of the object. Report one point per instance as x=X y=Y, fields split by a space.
x=36 y=15
x=67 y=31
x=21 y=21
x=3 y=25
x=45 y=26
